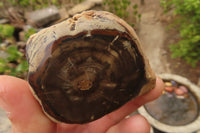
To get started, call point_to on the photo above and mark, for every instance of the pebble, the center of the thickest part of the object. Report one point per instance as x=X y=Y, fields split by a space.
x=180 y=97
x=186 y=95
x=3 y=21
x=43 y=16
x=179 y=91
x=185 y=90
x=169 y=89
x=168 y=84
x=169 y=94
x=173 y=83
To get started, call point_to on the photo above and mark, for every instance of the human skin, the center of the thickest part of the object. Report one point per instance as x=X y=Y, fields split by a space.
x=26 y=114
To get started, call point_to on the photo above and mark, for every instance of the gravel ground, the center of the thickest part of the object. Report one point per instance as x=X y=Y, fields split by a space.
x=5 y=126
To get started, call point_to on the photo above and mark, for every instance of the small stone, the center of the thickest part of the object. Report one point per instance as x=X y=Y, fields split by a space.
x=22 y=36
x=21 y=44
x=169 y=89
x=3 y=21
x=179 y=91
x=169 y=94
x=168 y=84
x=186 y=95
x=3 y=54
x=180 y=97
x=43 y=16
x=185 y=90
x=173 y=83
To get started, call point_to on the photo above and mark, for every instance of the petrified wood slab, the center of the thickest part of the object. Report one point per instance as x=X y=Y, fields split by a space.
x=86 y=67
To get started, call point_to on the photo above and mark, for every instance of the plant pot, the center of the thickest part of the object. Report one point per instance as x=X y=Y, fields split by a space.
x=192 y=126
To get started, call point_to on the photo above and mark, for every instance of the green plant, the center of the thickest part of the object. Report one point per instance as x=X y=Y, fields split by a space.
x=30 y=32
x=188 y=25
x=34 y=4
x=14 y=64
x=119 y=7
x=122 y=9
x=136 y=15
x=6 y=31
x=38 y=4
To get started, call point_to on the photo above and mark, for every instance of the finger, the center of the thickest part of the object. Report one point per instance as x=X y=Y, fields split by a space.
x=23 y=110
x=118 y=115
x=137 y=102
x=134 y=124
x=121 y=113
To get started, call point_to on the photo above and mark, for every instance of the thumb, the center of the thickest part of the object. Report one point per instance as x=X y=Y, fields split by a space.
x=134 y=124
x=22 y=109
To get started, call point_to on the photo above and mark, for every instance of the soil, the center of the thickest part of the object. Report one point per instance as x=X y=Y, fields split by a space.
x=5 y=125
x=156 y=38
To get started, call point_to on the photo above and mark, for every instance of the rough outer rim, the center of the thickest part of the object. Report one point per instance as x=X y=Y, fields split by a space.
x=191 y=127
x=40 y=102
x=56 y=31
x=59 y=30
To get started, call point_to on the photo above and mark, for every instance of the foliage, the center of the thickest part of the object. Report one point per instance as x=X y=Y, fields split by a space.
x=29 y=33
x=120 y=8
x=188 y=24
x=38 y=4
x=14 y=64
x=6 y=31
x=35 y=4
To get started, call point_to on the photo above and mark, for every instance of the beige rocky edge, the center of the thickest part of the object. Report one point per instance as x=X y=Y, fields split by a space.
x=81 y=60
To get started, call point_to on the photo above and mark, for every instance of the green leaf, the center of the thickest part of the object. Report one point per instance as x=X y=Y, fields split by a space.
x=30 y=32
x=6 y=30
x=1 y=4
x=23 y=66
x=187 y=22
x=14 y=54
x=196 y=39
x=135 y=6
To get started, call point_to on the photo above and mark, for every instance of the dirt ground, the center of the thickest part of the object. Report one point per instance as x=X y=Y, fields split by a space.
x=5 y=126
x=156 y=39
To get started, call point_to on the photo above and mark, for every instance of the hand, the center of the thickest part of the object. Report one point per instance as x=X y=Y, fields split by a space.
x=26 y=114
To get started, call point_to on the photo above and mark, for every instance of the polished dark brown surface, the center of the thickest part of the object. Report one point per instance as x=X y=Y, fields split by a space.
x=86 y=67
x=86 y=77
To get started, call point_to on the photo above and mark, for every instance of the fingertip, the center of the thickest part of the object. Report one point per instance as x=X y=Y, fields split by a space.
x=153 y=94
x=159 y=83
x=15 y=98
x=9 y=87
x=23 y=110
x=157 y=91
x=134 y=124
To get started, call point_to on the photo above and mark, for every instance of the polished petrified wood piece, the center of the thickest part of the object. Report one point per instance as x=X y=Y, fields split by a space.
x=86 y=67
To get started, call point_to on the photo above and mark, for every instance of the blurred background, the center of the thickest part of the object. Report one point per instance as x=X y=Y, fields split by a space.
x=169 y=31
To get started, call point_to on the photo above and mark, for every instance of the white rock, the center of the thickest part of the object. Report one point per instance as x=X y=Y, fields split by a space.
x=43 y=16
